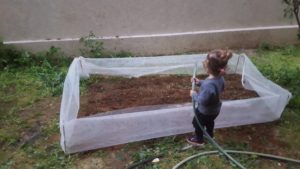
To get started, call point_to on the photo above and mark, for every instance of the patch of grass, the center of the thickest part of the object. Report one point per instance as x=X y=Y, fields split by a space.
x=43 y=153
x=206 y=162
x=278 y=57
x=47 y=158
x=49 y=155
x=289 y=131
x=228 y=144
x=281 y=65
x=19 y=90
x=51 y=129
x=25 y=78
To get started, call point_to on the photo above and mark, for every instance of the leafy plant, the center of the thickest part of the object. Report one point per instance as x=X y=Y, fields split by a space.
x=10 y=57
x=13 y=58
x=265 y=47
x=92 y=46
x=122 y=54
x=52 y=78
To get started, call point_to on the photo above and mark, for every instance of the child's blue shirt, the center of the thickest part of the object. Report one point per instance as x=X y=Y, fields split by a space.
x=208 y=98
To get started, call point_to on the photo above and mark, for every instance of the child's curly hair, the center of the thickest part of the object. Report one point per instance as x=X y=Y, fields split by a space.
x=217 y=61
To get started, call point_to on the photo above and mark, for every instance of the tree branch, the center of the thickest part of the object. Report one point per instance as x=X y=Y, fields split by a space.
x=296 y=4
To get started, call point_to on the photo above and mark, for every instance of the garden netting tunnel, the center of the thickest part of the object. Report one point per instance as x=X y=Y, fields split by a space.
x=147 y=122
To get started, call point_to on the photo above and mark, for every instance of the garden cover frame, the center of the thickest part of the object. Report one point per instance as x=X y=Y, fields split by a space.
x=147 y=122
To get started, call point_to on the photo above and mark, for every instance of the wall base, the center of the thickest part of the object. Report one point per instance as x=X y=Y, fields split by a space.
x=174 y=43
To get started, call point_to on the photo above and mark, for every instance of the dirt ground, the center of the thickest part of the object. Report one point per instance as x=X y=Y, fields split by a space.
x=113 y=93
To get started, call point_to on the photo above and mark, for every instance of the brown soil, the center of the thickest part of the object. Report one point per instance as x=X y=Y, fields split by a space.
x=113 y=93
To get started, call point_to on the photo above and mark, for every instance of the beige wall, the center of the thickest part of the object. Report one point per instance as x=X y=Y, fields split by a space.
x=37 y=24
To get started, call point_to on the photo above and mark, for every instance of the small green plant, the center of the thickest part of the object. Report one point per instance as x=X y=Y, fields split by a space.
x=50 y=67
x=265 y=47
x=13 y=58
x=56 y=57
x=52 y=78
x=10 y=57
x=92 y=46
x=145 y=152
x=123 y=54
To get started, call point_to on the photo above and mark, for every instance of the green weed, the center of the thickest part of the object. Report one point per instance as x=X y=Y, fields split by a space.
x=93 y=47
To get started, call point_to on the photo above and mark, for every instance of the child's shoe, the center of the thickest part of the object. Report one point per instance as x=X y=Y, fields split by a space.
x=193 y=140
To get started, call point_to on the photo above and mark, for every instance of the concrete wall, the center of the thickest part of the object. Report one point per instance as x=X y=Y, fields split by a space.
x=145 y=27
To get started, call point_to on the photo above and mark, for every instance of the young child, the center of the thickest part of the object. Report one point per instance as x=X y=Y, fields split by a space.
x=208 y=99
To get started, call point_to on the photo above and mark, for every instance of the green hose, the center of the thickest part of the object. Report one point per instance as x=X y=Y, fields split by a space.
x=266 y=156
x=220 y=149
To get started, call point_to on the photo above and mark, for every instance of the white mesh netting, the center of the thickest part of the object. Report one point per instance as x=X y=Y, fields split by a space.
x=141 y=123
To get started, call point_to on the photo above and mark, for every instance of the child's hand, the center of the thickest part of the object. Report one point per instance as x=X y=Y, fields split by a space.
x=195 y=80
x=192 y=92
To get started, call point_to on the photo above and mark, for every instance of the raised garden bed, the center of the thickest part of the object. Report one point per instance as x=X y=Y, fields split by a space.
x=107 y=93
x=162 y=109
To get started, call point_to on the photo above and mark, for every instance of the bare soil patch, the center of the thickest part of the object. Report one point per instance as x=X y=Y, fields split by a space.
x=113 y=93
